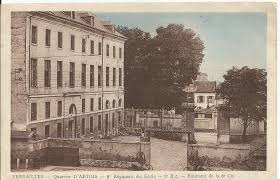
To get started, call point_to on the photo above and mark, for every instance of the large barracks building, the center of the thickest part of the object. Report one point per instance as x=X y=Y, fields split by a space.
x=67 y=74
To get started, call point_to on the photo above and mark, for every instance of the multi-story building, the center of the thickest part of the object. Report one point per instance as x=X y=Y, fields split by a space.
x=67 y=74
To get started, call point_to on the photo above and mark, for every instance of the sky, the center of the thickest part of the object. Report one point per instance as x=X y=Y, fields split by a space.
x=230 y=39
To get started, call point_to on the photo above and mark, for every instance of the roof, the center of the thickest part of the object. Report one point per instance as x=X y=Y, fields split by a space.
x=205 y=86
x=99 y=25
x=19 y=134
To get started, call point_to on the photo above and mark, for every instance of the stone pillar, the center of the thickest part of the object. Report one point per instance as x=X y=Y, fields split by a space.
x=188 y=122
x=26 y=163
x=18 y=161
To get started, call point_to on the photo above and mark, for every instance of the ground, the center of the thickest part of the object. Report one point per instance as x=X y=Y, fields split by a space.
x=168 y=155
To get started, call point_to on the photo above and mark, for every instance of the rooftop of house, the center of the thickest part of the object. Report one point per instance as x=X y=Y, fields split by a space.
x=205 y=86
x=82 y=17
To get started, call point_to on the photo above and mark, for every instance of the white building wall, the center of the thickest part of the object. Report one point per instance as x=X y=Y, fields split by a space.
x=204 y=103
x=66 y=94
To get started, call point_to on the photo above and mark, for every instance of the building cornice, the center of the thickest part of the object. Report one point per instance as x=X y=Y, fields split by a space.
x=74 y=23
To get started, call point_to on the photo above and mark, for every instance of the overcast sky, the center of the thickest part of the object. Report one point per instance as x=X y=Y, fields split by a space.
x=230 y=39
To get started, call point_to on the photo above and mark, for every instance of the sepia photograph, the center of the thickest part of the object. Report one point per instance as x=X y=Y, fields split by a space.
x=94 y=90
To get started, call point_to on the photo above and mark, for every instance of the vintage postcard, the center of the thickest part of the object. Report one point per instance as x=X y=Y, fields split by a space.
x=138 y=91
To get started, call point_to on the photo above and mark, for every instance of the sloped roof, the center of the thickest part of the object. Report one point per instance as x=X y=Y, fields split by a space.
x=205 y=86
x=78 y=18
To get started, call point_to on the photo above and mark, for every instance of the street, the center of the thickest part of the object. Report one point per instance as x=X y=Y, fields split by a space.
x=168 y=155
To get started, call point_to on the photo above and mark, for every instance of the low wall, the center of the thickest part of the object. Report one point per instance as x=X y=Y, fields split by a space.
x=90 y=151
x=220 y=151
x=225 y=157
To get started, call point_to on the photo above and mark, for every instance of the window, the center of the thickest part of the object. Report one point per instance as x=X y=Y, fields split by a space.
x=47 y=110
x=59 y=73
x=107 y=76
x=72 y=74
x=107 y=50
x=208 y=116
x=99 y=48
x=195 y=115
x=48 y=37
x=99 y=76
x=59 y=39
x=47 y=73
x=114 y=52
x=33 y=111
x=119 y=117
x=113 y=120
x=114 y=104
x=99 y=103
x=33 y=72
x=120 y=53
x=91 y=75
x=33 y=130
x=114 y=76
x=72 y=42
x=34 y=34
x=200 y=99
x=120 y=76
x=92 y=47
x=199 y=115
x=120 y=102
x=107 y=104
x=210 y=99
x=83 y=126
x=47 y=131
x=155 y=123
x=91 y=104
x=83 y=105
x=84 y=71
x=99 y=123
x=91 y=124
x=83 y=45
x=59 y=108
x=58 y=130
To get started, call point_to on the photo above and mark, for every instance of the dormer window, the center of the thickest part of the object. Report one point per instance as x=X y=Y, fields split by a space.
x=89 y=20
x=73 y=14
x=92 y=21
x=70 y=14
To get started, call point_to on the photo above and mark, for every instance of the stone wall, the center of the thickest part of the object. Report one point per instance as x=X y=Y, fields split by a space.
x=94 y=152
x=19 y=83
x=220 y=151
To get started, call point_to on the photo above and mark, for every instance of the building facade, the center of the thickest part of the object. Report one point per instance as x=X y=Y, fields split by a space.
x=67 y=74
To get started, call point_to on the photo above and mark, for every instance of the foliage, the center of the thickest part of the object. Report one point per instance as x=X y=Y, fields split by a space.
x=158 y=68
x=206 y=163
x=245 y=93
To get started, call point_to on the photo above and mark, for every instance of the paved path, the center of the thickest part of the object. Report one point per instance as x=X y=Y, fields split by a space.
x=168 y=155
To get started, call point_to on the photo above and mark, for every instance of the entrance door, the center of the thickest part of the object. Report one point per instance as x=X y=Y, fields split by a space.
x=70 y=128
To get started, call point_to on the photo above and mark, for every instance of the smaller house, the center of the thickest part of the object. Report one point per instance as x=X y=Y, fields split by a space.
x=204 y=94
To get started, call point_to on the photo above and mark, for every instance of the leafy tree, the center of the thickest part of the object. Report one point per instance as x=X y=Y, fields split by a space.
x=159 y=68
x=245 y=94
x=134 y=72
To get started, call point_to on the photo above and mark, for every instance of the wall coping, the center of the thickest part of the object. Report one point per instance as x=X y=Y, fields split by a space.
x=221 y=146
x=90 y=140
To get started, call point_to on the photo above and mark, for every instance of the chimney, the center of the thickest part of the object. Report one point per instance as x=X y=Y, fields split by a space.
x=89 y=19
x=108 y=25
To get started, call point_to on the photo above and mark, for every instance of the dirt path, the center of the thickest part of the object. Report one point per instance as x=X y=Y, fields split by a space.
x=168 y=155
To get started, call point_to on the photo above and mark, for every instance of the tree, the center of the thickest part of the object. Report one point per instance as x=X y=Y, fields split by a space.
x=245 y=94
x=136 y=48
x=160 y=67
